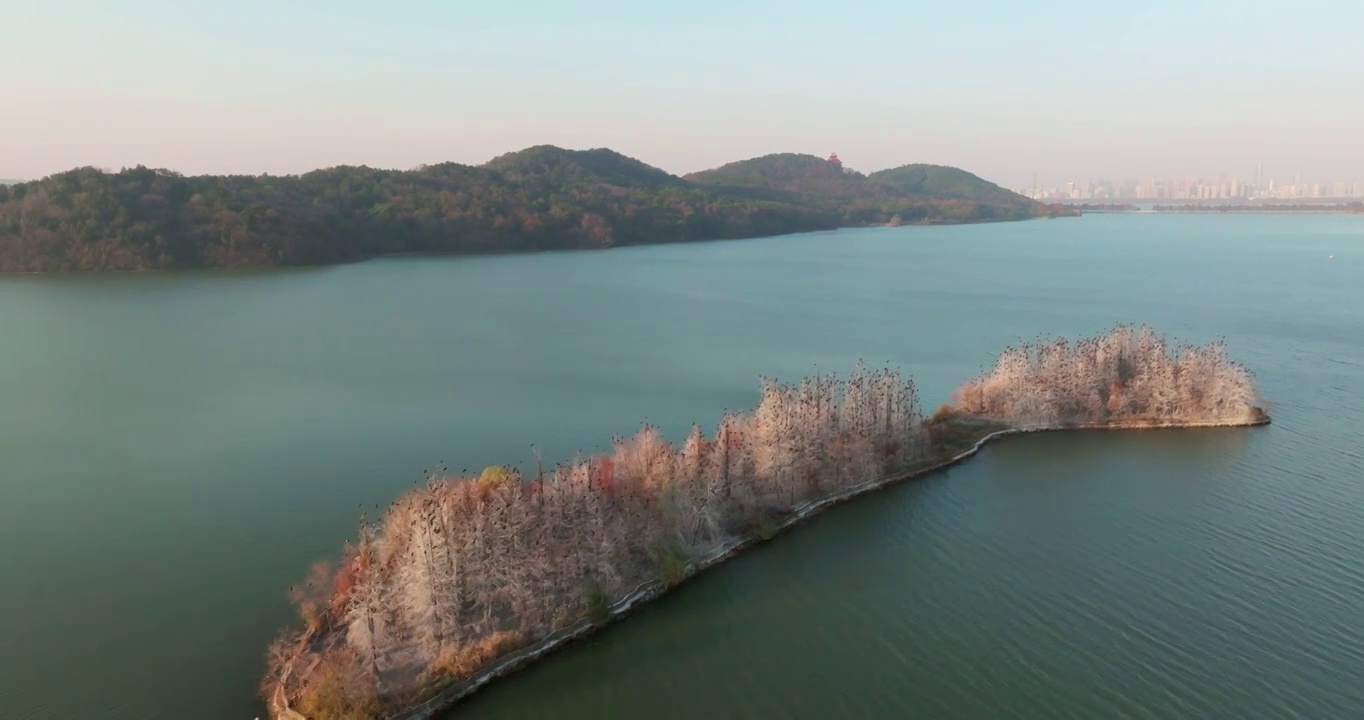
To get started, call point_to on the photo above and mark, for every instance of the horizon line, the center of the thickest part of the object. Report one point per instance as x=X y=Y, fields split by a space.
x=421 y=166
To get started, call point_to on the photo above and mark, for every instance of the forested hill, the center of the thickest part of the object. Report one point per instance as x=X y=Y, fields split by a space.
x=541 y=198
x=916 y=193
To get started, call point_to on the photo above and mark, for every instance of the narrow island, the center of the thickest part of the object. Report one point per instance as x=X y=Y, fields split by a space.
x=540 y=198
x=467 y=579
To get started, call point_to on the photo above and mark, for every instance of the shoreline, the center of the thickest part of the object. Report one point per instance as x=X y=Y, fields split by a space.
x=453 y=694
x=487 y=254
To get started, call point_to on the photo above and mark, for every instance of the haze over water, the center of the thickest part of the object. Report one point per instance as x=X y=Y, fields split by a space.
x=176 y=449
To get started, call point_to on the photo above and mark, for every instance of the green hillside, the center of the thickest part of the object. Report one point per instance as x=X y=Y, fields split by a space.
x=789 y=177
x=914 y=193
x=597 y=165
x=541 y=198
x=941 y=182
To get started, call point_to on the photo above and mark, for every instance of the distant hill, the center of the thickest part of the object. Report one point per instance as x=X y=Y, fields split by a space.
x=788 y=176
x=914 y=193
x=941 y=182
x=540 y=198
x=598 y=165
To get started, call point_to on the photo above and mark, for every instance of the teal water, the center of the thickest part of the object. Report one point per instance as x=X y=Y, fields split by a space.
x=176 y=449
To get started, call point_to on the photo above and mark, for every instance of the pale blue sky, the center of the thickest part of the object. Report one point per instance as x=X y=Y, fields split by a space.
x=1058 y=87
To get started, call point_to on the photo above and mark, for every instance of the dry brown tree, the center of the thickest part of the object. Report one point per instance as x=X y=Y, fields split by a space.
x=464 y=569
x=1126 y=376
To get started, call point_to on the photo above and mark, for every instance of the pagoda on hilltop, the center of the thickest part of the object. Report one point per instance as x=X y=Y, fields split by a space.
x=833 y=160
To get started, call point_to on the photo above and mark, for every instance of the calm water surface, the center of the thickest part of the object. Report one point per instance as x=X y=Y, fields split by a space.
x=175 y=450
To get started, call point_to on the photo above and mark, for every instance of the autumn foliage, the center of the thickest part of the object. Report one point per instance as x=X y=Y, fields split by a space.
x=464 y=570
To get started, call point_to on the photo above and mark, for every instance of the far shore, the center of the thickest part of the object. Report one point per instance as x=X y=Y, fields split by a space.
x=491 y=253
x=451 y=695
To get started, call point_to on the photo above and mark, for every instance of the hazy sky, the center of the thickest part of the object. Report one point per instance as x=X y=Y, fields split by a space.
x=1004 y=89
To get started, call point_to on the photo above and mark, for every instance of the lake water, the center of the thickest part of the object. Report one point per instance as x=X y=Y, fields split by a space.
x=176 y=449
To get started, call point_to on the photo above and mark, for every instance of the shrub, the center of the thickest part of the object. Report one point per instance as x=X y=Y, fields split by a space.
x=942 y=414
x=493 y=476
x=338 y=689
x=672 y=565
x=313 y=597
x=462 y=662
x=598 y=605
x=765 y=527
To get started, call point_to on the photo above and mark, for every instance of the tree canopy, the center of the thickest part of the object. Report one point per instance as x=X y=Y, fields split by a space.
x=913 y=193
x=541 y=198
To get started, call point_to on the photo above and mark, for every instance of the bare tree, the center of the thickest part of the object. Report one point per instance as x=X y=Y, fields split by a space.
x=371 y=606
x=1125 y=376
x=465 y=569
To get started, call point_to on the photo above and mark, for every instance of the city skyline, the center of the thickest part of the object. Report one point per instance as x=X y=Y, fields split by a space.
x=1258 y=185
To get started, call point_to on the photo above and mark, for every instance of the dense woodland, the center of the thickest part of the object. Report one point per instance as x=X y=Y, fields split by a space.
x=464 y=570
x=542 y=198
x=909 y=194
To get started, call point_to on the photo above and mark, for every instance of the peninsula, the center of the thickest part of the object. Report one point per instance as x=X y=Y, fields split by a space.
x=541 y=198
x=467 y=579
